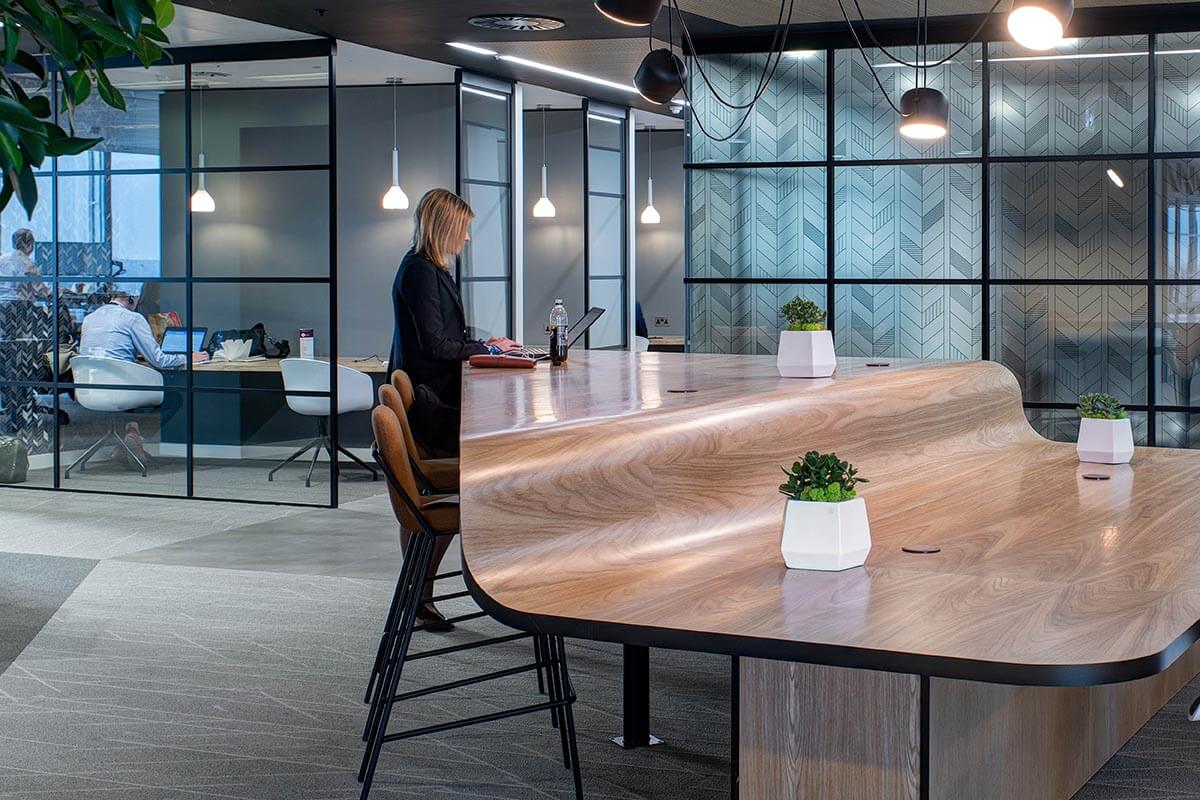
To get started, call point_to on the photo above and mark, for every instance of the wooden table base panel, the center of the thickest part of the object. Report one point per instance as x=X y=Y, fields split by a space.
x=844 y=734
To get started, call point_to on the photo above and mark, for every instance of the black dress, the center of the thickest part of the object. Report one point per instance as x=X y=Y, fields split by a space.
x=429 y=339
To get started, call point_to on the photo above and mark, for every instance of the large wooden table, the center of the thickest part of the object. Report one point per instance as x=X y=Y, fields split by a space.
x=633 y=498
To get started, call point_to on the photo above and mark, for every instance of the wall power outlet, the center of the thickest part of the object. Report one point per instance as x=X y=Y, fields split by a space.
x=662 y=322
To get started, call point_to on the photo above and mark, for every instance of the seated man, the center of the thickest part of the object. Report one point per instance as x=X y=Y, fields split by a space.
x=120 y=332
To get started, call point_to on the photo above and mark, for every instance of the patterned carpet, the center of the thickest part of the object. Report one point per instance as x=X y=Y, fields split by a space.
x=220 y=651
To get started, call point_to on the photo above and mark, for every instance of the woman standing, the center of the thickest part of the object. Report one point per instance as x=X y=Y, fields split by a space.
x=430 y=339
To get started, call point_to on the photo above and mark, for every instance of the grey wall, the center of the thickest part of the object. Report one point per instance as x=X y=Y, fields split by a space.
x=372 y=241
x=553 y=247
x=660 y=248
x=277 y=223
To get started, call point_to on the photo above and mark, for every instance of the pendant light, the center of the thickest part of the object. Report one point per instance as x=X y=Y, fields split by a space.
x=660 y=76
x=924 y=114
x=543 y=208
x=395 y=199
x=1039 y=24
x=202 y=201
x=650 y=215
x=630 y=12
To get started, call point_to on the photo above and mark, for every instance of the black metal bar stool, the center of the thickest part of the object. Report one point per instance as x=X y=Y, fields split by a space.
x=430 y=519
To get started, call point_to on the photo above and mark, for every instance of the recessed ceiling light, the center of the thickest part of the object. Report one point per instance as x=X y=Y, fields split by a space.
x=515 y=22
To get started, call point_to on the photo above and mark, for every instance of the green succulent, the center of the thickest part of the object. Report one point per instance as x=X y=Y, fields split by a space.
x=1098 y=405
x=803 y=314
x=821 y=478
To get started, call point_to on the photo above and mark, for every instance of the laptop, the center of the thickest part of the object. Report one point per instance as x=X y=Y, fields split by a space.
x=175 y=340
x=574 y=334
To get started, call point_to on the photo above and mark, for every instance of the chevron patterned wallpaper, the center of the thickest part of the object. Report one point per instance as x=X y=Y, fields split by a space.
x=1068 y=242
x=865 y=124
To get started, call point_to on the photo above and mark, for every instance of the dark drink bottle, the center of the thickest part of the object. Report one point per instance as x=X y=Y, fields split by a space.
x=559 y=342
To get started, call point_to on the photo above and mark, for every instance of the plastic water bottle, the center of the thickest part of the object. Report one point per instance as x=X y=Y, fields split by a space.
x=558 y=334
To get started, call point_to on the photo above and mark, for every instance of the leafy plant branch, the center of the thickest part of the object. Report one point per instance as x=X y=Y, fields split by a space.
x=821 y=478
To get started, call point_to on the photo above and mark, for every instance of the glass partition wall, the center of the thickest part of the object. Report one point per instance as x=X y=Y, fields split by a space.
x=485 y=269
x=208 y=208
x=606 y=243
x=1054 y=230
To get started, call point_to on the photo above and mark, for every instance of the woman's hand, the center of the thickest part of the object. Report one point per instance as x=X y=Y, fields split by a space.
x=504 y=344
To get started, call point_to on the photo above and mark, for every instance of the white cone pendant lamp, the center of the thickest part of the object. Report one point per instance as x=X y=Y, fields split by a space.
x=1039 y=24
x=543 y=208
x=202 y=201
x=650 y=215
x=395 y=199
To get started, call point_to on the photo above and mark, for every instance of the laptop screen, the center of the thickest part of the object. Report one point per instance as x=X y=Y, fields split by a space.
x=586 y=321
x=175 y=340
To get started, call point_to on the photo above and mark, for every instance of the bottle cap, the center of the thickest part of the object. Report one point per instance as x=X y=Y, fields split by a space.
x=558 y=302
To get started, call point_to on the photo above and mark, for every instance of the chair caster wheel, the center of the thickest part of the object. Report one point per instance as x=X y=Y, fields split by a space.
x=1194 y=711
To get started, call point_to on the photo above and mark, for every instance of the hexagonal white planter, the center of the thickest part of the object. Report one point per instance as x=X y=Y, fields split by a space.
x=1105 y=441
x=825 y=536
x=806 y=354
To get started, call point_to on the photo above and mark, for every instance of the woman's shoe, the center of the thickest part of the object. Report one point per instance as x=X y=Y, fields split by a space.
x=432 y=620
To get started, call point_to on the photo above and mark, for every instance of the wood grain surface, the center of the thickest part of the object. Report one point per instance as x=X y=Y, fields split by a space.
x=813 y=731
x=633 y=497
x=370 y=365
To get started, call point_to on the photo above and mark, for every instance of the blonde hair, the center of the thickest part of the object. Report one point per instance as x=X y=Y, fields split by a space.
x=441 y=226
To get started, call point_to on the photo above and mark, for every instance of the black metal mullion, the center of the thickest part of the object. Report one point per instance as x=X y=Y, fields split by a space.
x=1152 y=327
x=985 y=207
x=334 y=428
x=189 y=396
x=830 y=194
x=56 y=372
x=587 y=219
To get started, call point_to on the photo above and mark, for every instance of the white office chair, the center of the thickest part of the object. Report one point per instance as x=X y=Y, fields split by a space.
x=641 y=344
x=114 y=372
x=356 y=392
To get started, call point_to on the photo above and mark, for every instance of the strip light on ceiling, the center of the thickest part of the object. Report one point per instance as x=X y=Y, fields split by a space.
x=484 y=93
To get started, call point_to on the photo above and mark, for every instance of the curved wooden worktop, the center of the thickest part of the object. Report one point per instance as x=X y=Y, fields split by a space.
x=632 y=497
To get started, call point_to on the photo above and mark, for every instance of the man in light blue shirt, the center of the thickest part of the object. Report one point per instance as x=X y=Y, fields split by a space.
x=120 y=332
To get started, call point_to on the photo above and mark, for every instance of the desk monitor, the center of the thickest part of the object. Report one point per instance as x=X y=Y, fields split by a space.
x=175 y=340
x=586 y=321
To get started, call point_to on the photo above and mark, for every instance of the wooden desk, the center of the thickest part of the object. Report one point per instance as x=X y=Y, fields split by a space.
x=649 y=515
x=269 y=365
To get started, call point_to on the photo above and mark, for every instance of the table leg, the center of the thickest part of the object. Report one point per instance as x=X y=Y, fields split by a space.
x=636 y=701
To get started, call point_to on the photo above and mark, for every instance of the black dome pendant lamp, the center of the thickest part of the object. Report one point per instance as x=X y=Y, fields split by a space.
x=660 y=76
x=630 y=12
x=924 y=114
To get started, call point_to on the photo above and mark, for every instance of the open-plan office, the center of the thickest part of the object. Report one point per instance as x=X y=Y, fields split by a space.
x=860 y=467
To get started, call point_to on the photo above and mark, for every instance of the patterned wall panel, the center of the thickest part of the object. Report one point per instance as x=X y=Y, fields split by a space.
x=787 y=123
x=1178 y=68
x=758 y=223
x=1178 y=430
x=865 y=124
x=742 y=318
x=908 y=321
x=908 y=222
x=1179 y=205
x=1063 y=104
x=1062 y=425
x=1069 y=220
x=1063 y=341
x=1179 y=353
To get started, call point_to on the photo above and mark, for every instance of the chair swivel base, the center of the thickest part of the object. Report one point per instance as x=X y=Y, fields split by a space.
x=322 y=442
x=112 y=435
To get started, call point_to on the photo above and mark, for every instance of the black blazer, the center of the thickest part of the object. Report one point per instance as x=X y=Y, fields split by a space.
x=429 y=339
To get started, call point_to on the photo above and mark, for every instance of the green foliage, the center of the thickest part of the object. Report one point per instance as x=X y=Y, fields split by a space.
x=821 y=478
x=1099 y=405
x=76 y=37
x=803 y=314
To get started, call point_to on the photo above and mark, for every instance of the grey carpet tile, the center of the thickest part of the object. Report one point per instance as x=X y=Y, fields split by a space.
x=223 y=683
x=32 y=588
x=103 y=526
x=353 y=544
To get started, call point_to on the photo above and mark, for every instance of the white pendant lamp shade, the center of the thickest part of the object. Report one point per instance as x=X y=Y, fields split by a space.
x=1039 y=24
x=202 y=201
x=650 y=215
x=395 y=199
x=543 y=208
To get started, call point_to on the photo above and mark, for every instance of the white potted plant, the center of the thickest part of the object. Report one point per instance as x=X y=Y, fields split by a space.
x=825 y=522
x=1105 y=434
x=806 y=347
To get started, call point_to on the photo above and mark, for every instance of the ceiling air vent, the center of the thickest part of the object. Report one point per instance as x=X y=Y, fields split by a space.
x=515 y=22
